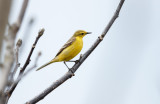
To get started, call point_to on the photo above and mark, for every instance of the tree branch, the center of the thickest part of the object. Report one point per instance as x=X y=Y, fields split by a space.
x=40 y=33
x=13 y=29
x=9 y=93
x=82 y=59
x=8 y=57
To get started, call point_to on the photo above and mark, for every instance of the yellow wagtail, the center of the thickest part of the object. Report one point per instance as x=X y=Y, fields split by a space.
x=69 y=50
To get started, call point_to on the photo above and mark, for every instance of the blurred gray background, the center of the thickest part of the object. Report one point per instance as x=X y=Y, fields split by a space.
x=123 y=69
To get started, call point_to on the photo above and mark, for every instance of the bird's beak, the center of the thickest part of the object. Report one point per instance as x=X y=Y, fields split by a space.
x=88 y=32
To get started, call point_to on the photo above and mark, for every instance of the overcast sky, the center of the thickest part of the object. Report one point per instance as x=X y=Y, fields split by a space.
x=123 y=69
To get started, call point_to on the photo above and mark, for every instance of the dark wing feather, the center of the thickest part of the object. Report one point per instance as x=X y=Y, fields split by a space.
x=69 y=42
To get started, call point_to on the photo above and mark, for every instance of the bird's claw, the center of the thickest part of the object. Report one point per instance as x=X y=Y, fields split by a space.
x=77 y=61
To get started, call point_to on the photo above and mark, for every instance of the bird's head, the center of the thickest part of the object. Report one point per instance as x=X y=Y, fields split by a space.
x=81 y=33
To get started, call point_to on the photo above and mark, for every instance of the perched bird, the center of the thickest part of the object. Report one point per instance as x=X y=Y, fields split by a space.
x=69 y=50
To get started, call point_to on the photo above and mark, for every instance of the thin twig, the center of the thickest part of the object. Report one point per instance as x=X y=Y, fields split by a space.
x=34 y=66
x=18 y=45
x=17 y=64
x=26 y=73
x=30 y=69
x=40 y=33
x=82 y=59
x=9 y=93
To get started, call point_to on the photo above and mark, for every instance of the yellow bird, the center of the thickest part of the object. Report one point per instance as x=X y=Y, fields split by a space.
x=69 y=50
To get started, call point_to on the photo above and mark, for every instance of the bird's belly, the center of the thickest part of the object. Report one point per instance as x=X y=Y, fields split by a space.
x=71 y=51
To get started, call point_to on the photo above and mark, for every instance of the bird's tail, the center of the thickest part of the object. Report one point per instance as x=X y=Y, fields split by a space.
x=52 y=61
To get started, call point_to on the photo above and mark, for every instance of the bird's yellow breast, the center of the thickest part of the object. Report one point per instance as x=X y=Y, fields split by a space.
x=71 y=51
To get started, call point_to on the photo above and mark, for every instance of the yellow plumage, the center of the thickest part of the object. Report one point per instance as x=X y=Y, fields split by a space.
x=72 y=47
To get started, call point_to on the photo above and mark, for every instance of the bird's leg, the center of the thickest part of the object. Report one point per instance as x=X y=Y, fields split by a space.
x=66 y=65
x=68 y=68
x=76 y=61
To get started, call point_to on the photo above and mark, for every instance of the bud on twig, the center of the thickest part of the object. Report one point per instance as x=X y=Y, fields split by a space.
x=19 y=42
x=41 y=31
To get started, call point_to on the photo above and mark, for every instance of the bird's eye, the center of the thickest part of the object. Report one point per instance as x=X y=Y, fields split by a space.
x=82 y=33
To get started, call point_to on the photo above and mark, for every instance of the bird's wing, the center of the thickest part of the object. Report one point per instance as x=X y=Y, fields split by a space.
x=68 y=43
